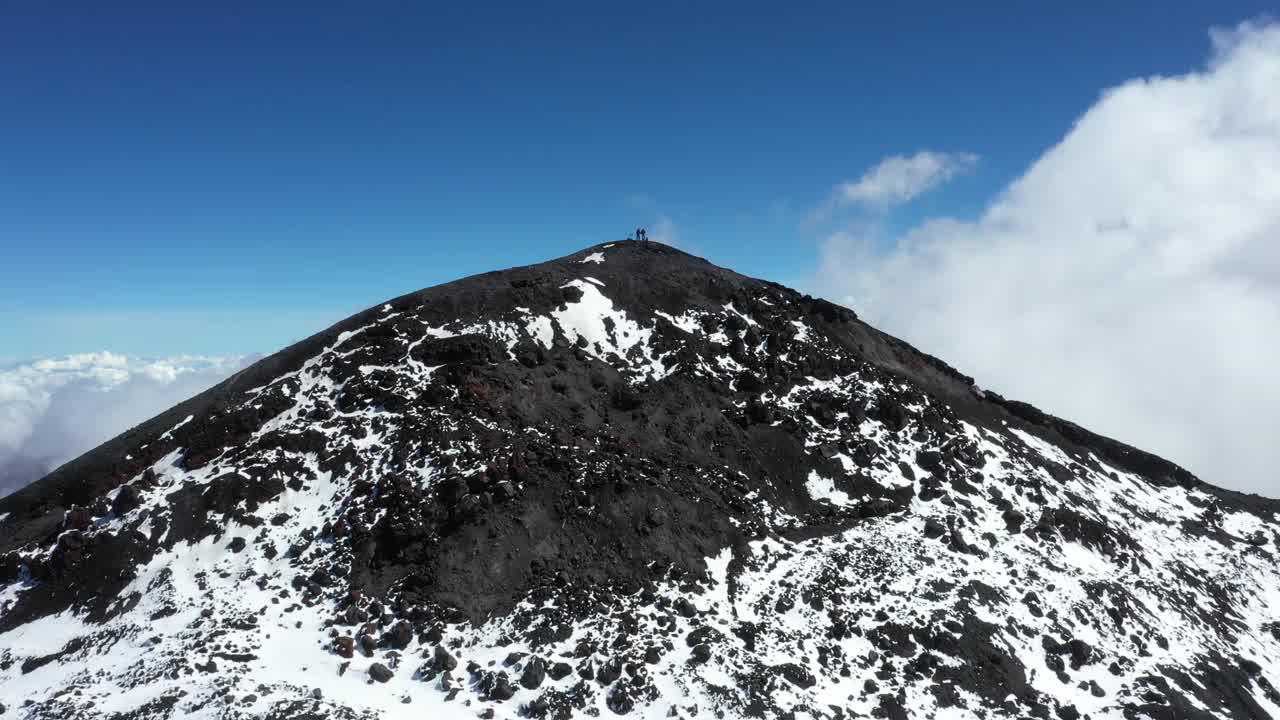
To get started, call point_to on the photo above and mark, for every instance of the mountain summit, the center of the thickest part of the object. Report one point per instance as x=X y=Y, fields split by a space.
x=628 y=482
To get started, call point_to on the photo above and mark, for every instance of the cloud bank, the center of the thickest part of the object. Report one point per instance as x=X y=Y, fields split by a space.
x=1129 y=280
x=52 y=410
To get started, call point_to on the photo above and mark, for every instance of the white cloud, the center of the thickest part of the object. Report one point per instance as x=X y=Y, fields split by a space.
x=901 y=178
x=52 y=410
x=1130 y=280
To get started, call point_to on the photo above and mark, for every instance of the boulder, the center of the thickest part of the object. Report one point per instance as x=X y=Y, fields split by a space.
x=796 y=675
x=685 y=608
x=758 y=412
x=502 y=689
x=79 y=518
x=1013 y=520
x=400 y=635
x=10 y=567
x=699 y=654
x=380 y=672
x=503 y=491
x=453 y=489
x=535 y=671
x=933 y=529
x=749 y=382
x=656 y=516
x=609 y=671
x=443 y=660
x=619 y=701
x=128 y=498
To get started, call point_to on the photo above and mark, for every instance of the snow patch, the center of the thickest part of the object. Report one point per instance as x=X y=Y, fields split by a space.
x=608 y=331
x=821 y=488
x=169 y=433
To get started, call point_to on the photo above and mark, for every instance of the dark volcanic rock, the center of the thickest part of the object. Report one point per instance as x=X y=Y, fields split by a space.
x=627 y=479
x=128 y=498
x=443 y=660
x=380 y=672
x=535 y=671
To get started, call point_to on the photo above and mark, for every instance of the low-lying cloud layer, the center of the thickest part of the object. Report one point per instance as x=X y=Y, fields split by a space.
x=53 y=410
x=1130 y=280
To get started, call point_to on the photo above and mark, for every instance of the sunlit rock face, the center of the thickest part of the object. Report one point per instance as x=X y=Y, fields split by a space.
x=628 y=482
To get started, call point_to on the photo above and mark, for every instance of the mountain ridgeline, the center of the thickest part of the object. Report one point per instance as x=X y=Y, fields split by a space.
x=628 y=482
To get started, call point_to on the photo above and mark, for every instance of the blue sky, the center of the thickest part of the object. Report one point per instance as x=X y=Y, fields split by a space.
x=224 y=178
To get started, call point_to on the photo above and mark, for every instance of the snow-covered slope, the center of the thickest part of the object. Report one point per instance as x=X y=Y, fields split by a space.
x=628 y=482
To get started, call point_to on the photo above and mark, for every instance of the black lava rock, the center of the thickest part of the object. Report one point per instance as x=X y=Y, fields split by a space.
x=380 y=672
